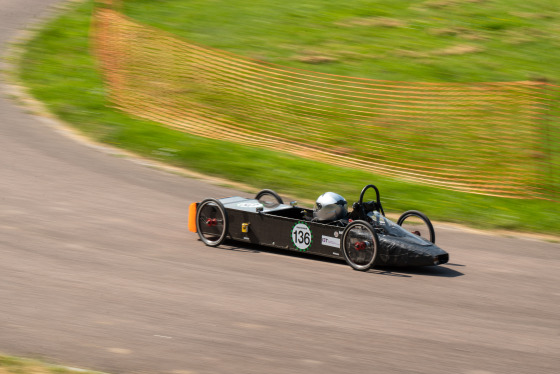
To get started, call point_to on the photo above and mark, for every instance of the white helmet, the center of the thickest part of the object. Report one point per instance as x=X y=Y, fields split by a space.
x=330 y=206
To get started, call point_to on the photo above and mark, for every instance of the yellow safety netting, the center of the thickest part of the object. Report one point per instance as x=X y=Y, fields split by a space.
x=487 y=138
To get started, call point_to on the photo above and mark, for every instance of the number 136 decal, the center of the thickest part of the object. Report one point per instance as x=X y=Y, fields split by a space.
x=301 y=236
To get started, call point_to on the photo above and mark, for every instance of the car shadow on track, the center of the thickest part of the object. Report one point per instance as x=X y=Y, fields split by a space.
x=402 y=272
x=429 y=271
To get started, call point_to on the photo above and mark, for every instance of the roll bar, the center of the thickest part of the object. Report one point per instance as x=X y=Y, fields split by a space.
x=377 y=194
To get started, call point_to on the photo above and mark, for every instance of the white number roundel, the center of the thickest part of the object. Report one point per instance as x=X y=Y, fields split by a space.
x=301 y=236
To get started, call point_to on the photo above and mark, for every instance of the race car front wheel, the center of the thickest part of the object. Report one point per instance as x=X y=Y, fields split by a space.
x=359 y=244
x=211 y=222
x=417 y=223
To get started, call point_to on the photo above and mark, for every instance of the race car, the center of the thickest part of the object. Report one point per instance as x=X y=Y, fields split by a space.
x=363 y=237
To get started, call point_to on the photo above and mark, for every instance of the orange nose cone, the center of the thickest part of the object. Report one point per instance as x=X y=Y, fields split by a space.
x=192 y=217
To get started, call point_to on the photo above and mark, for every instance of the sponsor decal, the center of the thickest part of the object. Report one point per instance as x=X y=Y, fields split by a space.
x=330 y=241
x=249 y=205
x=302 y=236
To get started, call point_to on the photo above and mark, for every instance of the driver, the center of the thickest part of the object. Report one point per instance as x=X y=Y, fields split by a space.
x=330 y=206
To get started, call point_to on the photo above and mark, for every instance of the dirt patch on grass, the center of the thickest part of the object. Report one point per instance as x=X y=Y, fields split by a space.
x=315 y=60
x=523 y=36
x=314 y=57
x=535 y=16
x=517 y=38
x=459 y=32
x=456 y=50
x=437 y=4
x=411 y=54
x=373 y=22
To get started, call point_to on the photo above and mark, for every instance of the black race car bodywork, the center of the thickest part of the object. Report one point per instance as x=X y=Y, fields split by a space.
x=365 y=238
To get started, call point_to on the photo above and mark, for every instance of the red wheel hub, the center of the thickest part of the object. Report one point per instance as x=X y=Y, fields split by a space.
x=211 y=222
x=360 y=246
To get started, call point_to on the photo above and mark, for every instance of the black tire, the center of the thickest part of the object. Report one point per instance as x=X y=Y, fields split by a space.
x=269 y=198
x=211 y=222
x=417 y=223
x=359 y=243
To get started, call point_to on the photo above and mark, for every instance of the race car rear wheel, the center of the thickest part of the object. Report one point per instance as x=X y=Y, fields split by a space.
x=269 y=198
x=359 y=244
x=417 y=223
x=211 y=222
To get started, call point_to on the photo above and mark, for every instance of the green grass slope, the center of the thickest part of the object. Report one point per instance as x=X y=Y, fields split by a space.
x=408 y=40
x=59 y=70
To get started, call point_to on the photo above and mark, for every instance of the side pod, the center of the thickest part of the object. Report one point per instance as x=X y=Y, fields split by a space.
x=192 y=217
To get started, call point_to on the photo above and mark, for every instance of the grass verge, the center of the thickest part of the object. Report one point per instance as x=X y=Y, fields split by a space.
x=59 y=70
x=16 y=365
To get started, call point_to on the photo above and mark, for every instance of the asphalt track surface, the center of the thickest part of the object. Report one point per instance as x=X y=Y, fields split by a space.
x=97 y=270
